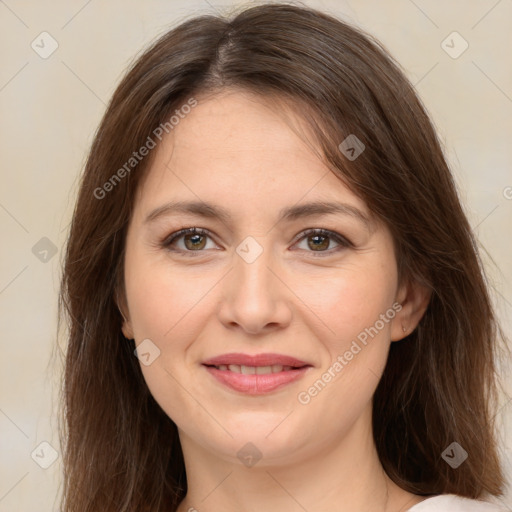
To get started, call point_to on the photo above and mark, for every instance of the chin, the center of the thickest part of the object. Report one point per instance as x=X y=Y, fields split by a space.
x=265 y=437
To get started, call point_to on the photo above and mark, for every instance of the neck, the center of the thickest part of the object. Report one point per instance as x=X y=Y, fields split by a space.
x=345 y=475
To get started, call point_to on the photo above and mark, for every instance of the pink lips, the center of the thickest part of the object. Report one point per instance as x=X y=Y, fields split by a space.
x=255 y=384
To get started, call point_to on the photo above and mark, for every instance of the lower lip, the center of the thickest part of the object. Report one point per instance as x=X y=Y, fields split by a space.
x=256 y=384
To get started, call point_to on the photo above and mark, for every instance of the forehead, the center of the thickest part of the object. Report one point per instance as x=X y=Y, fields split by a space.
x=244 y=150
x=235 y=123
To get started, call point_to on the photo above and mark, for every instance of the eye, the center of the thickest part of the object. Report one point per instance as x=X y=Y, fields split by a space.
x=193 y=238
x=319 y=240
x=195 y=241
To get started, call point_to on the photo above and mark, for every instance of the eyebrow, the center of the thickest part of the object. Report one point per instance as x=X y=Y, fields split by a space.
x=289 y=214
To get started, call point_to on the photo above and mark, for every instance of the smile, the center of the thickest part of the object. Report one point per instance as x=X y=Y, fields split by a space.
x=255 y=374
x=254 y=370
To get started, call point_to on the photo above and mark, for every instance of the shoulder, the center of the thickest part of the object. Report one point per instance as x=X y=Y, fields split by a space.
x=452 y=503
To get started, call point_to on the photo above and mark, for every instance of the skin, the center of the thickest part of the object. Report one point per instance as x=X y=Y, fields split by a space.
x=236 y=150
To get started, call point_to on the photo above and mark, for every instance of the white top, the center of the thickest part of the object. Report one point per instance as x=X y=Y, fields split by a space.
x=452 y=503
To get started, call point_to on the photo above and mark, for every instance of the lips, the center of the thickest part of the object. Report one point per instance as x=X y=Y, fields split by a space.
x=257 y=374
x=256 y=360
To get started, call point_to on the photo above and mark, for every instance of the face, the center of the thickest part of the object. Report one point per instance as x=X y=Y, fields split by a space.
x=271 y=287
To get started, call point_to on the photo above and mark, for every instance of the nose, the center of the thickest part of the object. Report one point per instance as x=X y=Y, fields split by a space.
x=255 y=297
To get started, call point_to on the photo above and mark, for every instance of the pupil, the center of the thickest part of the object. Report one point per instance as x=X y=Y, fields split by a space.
x=196 y=242
x=321 y=245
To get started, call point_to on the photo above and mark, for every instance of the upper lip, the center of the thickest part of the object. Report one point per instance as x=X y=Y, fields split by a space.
x=255 y=360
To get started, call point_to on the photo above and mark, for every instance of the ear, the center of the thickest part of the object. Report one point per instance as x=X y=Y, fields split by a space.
x=127 y=329
x=414 y=299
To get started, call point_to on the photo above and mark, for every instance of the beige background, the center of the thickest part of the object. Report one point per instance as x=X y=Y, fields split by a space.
x=51 y=108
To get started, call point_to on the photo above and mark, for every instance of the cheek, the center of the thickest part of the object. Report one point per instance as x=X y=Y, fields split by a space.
x=161 y=300
x=169 y=309
x=349 y=300
x=166 y=304
x=355 y=341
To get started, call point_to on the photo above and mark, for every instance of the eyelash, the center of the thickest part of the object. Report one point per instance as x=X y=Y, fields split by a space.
x=341 y=240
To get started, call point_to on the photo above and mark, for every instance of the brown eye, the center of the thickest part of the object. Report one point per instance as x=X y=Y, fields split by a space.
x=194 y=240
x=319 y=240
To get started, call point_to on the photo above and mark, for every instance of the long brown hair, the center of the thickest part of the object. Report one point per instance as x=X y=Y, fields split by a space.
x=121 y=452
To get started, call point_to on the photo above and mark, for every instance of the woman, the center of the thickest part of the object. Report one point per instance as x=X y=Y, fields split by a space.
x=274 y=297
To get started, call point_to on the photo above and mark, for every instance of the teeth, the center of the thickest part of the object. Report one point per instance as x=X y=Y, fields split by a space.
x=254 y=370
